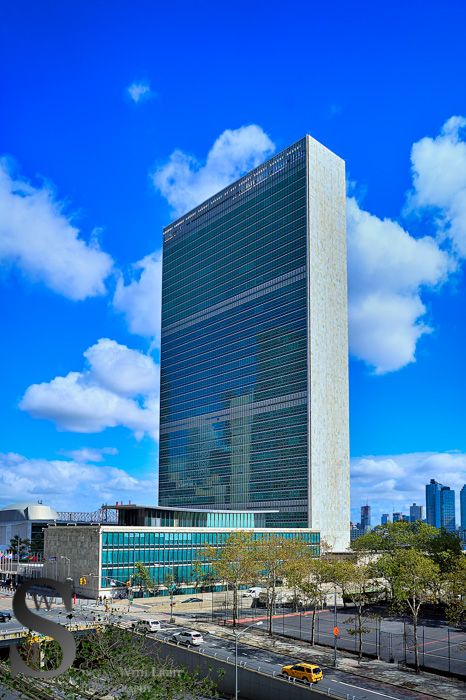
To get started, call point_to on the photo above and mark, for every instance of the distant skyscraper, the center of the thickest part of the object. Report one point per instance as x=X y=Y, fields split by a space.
x=365 y=518
x=397 y=517
x=447 y=509
x=385 y=518
x=254 y=356
x=433 y=503
x=463 y=511
x=416 y=513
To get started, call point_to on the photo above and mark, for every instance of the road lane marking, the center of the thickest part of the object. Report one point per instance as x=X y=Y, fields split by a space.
x=367 y=690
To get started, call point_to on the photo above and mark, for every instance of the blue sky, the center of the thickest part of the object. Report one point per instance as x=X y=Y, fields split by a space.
x=109 y=116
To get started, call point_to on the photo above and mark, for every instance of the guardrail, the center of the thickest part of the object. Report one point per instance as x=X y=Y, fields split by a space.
x=246 y=666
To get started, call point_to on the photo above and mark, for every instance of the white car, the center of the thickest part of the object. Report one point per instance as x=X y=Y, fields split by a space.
x=187 y=637
x=148 y=625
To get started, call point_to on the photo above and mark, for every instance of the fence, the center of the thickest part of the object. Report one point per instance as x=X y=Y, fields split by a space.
x=440 y=648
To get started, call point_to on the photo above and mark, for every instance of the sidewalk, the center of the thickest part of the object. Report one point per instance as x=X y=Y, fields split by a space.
x=427 y=683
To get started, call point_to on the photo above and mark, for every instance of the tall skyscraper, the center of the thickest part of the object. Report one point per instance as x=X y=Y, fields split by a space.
x=447 y=509
x=254 y=375
x=433 y=503
x=385 y=518
x=416 y=513
x=365 y=518
x=398 y=517
x=463 y=512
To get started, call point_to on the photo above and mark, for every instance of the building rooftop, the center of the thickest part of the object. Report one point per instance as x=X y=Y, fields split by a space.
x=178 y=509
x=27 y=511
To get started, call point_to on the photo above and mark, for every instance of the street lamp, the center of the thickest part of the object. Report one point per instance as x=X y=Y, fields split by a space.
x=69 y=563
x=238 y=634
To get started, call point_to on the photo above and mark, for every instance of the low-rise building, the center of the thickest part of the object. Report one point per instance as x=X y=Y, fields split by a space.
x=167 y=541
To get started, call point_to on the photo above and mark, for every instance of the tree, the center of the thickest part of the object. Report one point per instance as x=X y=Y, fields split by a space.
x=145 y=580
x=454 y=587
x=235 y=563
x=393 y=536
x=273 y=554
x=413 y=576
x=113 y=662
x=359 y=582
x=19 y=547
x=314 y=587
x=445 y=550
x=340 y=571
x=296 y=567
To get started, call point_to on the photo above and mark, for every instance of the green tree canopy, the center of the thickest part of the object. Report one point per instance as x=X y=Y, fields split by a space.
x=236 y=563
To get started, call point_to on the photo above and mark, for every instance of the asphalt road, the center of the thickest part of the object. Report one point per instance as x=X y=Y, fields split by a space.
x=339 y=682
x=441 y=648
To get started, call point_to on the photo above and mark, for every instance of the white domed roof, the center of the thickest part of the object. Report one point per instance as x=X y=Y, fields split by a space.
x=28 y=511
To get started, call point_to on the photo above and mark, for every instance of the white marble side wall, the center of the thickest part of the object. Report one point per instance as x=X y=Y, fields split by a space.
x=329 y=500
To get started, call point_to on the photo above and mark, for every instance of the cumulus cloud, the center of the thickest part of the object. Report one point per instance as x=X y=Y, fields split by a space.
x=140 y=91
x=387 y=270
x=140 y=299
x=439 y=179
x=118 y=388
x=119 y=369
x=186 y=182
x=69 y=485
x=394 y=482
x=90 y=454
x=37 y=237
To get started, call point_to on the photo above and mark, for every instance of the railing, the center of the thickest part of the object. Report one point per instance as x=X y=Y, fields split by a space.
x=101 y=516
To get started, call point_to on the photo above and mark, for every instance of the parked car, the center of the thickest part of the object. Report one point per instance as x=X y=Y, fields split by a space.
x=5 y=616
x=148 y=625
x=309 y=673
x=188 y=637
x=192 y=600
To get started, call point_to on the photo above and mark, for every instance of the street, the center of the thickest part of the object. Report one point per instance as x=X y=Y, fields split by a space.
x=337 y=681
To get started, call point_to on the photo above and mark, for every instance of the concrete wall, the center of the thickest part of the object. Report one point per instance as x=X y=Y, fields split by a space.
x=253 y=685
x=81 y=545
x=329 y=508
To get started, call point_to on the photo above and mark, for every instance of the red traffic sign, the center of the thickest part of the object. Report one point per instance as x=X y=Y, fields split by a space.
x=336 y=631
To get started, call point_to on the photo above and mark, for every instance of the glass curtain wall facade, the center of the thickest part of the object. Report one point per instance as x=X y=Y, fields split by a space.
x=234 y=370
x=447 y=509
x=236 y=353
x=167 y=554
x=433 y=503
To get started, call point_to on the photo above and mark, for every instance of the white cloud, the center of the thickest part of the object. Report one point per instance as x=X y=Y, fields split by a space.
x=92 y=400
x=185 y=182
x=69 y=485
x=140 y=299
x=387 y=270
x=36 y=236
x=90 y=454
x=439 y=179
x=140 y=91
x=122 y=370
x=394 y=482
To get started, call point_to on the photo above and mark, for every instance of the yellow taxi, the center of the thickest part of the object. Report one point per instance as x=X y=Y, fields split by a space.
x=309 y=673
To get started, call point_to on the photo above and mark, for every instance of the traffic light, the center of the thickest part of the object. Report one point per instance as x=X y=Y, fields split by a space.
x=82 y=581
